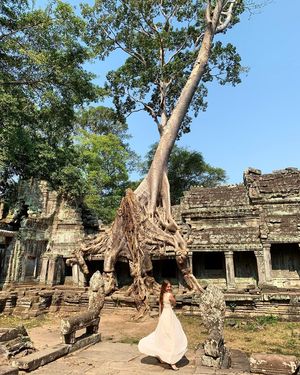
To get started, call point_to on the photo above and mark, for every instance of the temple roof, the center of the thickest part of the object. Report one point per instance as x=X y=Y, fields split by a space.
x=263 y=209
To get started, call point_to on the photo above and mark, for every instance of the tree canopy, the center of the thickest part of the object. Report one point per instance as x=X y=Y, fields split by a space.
x=42 y=82
x=160 y=41
x=187 y=168
x=104 y=160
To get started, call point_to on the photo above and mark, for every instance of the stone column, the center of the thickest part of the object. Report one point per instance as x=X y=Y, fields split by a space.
x=44 y=270
x=229 y=265
x=81 y=278
x=267 y=261
x=51 y=276
x=23 y=262
x=78 y=276
x=260 y=267
x=191 y=261
x=35 y=275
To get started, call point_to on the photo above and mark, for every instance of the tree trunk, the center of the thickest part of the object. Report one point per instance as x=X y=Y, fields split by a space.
x=144 y=225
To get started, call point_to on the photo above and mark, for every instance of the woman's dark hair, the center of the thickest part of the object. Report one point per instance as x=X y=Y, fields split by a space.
x=162 y=292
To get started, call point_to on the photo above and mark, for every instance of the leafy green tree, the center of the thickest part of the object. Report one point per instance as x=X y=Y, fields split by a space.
x=104 y=162
x=42 y=82
x=186 y=169
x=99 y=161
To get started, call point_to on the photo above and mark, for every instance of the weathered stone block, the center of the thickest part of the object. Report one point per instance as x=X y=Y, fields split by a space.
x=85 y=341
x=7 y=334
x=210 y=361
x=15 y=341
x=274 y=364
x=41 y=358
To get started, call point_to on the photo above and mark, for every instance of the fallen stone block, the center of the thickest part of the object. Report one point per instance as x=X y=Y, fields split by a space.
x=15 y=342
x=41 y=358
x=274 y=364
x=85 y=341
x=7 y=334
x=7 y=370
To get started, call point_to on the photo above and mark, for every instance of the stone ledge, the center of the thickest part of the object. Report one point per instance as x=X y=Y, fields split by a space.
x=274 y=364
x=85 y=341
x=33 y=361
x=40 y=358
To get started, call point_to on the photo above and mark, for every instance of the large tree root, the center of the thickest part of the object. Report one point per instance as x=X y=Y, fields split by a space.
x=136 y=235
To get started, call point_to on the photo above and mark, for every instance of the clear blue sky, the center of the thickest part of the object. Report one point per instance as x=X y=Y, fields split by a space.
x=257 y=123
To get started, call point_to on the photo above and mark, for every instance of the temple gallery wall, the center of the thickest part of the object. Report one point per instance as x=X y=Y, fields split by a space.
x=244 y=238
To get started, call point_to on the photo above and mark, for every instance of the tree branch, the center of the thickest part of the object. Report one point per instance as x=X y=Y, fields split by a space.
x=3 y=36
x=133 y=54
x=147 y=108
x=208 y=13
x=223 y=25
x=25 y=83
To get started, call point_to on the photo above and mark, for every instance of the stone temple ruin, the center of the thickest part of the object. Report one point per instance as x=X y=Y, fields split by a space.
x=244 y=238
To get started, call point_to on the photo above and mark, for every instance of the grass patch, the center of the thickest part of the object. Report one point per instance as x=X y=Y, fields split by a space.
x=9 y=321
x=130 y=340
x=264 y=334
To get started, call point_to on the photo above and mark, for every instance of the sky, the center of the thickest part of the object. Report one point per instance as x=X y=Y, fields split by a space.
x=257 y=123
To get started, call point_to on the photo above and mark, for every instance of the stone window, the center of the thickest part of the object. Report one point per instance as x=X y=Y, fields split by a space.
x=165 y=269
x=209 y=266
x=214 y=261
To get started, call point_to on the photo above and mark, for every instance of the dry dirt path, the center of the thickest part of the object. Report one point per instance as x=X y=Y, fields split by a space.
x=117 y=354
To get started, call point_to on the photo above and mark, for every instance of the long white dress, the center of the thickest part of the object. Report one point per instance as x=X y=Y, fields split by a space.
x=168 y=341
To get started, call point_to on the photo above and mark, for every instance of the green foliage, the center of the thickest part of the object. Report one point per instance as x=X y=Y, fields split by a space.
x=161 y=41
x=260 y=322
x=98 y=170
x=103 y=160
x=42 y=81
x=267 y=319
x=185 y=169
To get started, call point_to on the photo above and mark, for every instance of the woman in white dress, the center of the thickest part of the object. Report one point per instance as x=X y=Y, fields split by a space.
x=168 y=342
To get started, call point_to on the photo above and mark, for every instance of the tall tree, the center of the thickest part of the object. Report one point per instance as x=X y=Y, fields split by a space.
x=187 y=168
x=171 y=53
x=104 y=158
x=42 y=82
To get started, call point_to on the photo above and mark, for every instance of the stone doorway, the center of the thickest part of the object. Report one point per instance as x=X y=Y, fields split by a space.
x=210 y=267
x=123 y=273
x=93 y=266
x=68 y=277
x=165 y=269
x=285 y=259
x=245 y=268
x=30 y=267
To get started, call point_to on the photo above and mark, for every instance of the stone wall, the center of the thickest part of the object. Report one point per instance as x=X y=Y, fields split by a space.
x=49 y=230
x=33 y=301
x=246 y=234
x=241 y=236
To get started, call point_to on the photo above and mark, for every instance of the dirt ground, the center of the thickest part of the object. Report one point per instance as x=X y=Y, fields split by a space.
x=115 y=326
x=265 y=334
